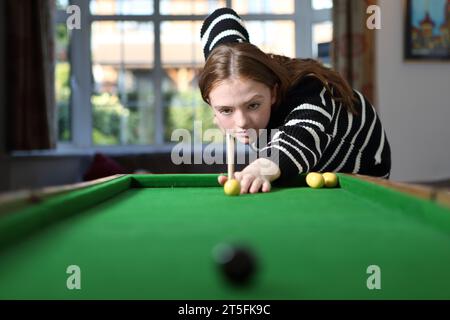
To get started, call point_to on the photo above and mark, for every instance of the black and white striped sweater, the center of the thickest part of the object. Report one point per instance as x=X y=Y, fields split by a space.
x=317 y=134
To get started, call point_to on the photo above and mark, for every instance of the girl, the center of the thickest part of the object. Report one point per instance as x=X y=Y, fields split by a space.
x=322 y=124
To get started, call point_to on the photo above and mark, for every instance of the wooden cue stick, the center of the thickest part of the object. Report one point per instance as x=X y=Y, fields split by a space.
x=230 y=155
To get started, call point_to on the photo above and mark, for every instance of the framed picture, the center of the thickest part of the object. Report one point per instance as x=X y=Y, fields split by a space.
x=427 y=30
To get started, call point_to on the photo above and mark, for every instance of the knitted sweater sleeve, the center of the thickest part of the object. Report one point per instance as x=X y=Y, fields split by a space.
x=300 y=141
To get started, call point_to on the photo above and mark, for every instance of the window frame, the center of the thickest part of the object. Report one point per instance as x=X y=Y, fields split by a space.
x=304 y=17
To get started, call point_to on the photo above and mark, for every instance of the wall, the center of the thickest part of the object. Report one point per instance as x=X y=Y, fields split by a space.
x=36 y=172
x=414 y=104
x=25 y=172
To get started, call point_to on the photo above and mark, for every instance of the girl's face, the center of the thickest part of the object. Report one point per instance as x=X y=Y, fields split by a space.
x=240 y=105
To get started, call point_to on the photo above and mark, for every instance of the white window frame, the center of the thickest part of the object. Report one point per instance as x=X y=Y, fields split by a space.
x=304 y=17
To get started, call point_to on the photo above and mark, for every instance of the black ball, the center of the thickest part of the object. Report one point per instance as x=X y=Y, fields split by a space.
x=237 y=264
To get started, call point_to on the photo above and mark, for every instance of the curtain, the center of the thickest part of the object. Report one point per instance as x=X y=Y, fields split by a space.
x=30 y=74
x=353 y=50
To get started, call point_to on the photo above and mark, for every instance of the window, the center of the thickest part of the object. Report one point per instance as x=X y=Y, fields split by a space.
x=62 y=75
x=322 y=4
x=322 y=36
x=123 y=95
x=129 y=76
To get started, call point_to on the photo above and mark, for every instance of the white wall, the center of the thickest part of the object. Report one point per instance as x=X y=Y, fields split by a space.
x=414 y=104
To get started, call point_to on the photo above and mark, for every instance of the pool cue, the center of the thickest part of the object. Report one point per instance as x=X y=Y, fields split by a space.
x=230 y=155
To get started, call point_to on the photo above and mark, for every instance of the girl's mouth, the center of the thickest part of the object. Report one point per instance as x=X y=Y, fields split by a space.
x=245 y=133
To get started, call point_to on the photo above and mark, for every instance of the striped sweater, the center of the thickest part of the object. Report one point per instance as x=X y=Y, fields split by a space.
x=317 y=134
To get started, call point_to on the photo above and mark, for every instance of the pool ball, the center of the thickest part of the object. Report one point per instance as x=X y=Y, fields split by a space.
x=237 y=264
x=331 y=179
x=315 y=180
x=232 y=187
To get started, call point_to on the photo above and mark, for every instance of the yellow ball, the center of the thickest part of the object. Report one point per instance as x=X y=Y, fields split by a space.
x=315 y=180
x=232 y=187
x=331 y=179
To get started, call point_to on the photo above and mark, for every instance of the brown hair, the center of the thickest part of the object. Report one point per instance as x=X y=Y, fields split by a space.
x=248 y=61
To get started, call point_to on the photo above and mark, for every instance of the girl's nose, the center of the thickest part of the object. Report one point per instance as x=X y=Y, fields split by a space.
x=241 y=120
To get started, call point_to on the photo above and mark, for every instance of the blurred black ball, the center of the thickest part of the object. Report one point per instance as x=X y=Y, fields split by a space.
x=238 y=264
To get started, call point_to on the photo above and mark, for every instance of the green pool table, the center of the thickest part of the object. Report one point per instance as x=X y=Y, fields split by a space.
x=152 y=237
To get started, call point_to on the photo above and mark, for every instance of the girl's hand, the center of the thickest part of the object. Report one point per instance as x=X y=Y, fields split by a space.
x=256 y=176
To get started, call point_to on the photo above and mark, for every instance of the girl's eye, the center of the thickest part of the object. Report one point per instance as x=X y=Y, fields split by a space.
x=254 y=106
x=225 y=111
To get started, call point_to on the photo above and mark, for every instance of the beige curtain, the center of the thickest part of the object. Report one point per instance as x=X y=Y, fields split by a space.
x=30 y=74
x=353 y=50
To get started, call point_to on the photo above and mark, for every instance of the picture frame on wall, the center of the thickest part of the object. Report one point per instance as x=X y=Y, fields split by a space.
x=427 y=30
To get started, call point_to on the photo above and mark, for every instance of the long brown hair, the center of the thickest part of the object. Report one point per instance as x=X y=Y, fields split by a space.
x=248 y=61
